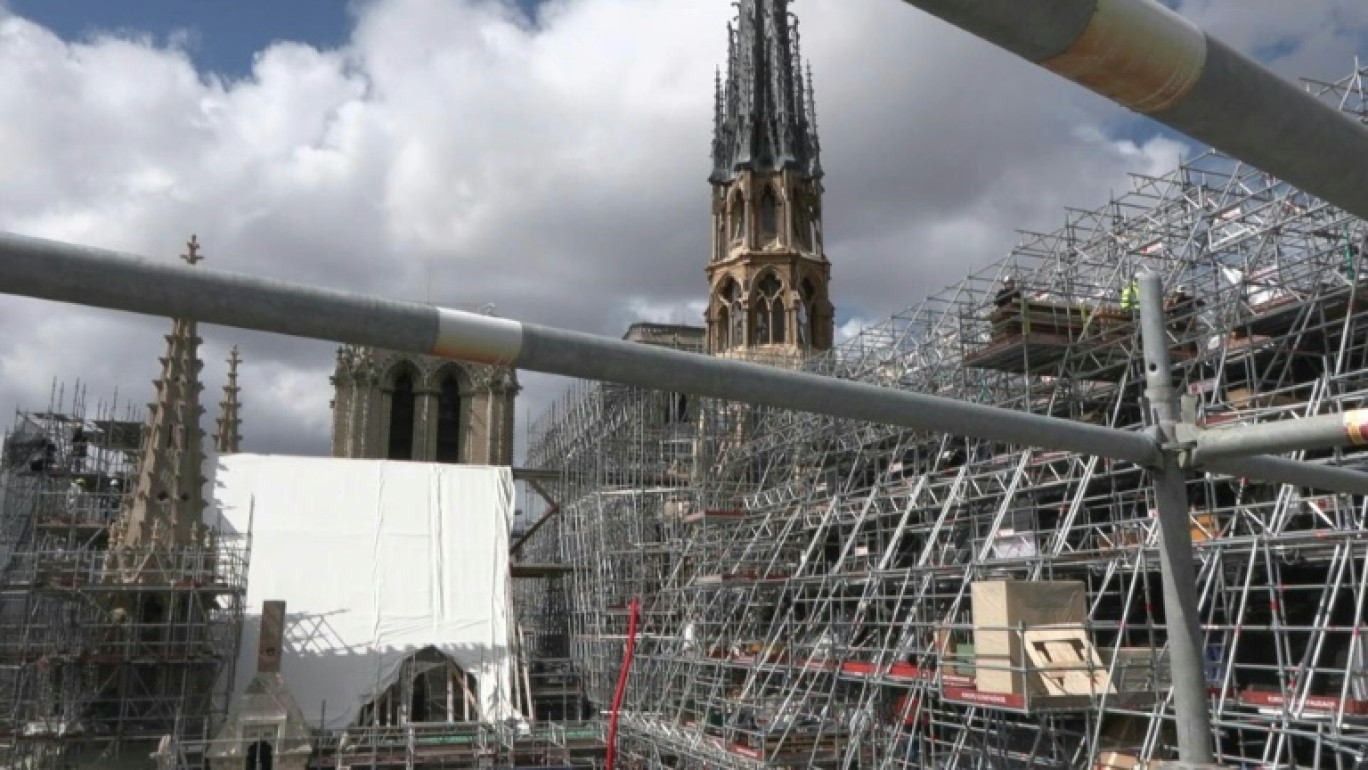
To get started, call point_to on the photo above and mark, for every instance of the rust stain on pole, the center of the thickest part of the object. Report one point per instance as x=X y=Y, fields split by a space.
x=1139 y=54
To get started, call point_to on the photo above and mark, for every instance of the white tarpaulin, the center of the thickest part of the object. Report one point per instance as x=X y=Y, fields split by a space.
x=375 y=560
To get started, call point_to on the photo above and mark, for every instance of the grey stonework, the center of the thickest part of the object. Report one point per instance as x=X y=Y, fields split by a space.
x=768 y=274
x=364 y=385
x=765 y=117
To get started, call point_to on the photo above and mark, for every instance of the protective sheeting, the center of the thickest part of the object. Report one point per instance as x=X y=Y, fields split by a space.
x=376 y=560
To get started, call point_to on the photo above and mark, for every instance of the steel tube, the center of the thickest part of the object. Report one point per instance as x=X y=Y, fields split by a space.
x=1317 y=432
x=1294 y=472
x=1175 y=538
x=57 y=271
x=1153 y=61
x=598 y=358
x=102 y=278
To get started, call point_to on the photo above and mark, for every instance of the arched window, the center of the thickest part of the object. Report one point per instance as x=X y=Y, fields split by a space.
x=768 y=312
x=400 y=443
x=449 y=421
x=259 y=756
x=738 y=219
x=429 y=687
x=807 y=303
x=769 y=216
x=730 y=315
x=738 y=313
x=418 y=701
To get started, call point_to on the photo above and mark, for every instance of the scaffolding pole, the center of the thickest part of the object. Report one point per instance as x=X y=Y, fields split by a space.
x=1175 y=540
x=1324 y=431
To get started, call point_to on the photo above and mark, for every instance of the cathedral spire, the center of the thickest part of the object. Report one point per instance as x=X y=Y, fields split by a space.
x=166 y=508
x=228 y=439
x=764 y=112
x=768 y=274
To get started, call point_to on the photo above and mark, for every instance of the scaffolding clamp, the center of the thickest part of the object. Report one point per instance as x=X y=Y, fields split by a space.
x=1185 y=433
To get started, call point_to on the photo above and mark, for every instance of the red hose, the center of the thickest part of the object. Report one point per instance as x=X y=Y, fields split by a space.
x=632 y=609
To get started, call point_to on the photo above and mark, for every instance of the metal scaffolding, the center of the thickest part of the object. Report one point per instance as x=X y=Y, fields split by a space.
x=91 y=667
x=821 y=592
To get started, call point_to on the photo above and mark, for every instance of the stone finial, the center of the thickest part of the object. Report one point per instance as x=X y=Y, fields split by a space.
x=192 y=255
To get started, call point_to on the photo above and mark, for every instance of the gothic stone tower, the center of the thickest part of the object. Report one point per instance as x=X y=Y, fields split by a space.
x=768 y=276
x=399 y=406
x=166 y=508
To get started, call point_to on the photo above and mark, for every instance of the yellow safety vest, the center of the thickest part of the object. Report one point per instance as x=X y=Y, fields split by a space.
x=1128 y=296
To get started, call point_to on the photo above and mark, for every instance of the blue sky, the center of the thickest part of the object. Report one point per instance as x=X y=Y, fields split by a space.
x=222 y=36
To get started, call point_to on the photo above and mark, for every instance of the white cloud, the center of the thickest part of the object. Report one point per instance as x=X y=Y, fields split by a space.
x=851 y=328
x=452 y=151
x=688 y=313
x=1301 y=38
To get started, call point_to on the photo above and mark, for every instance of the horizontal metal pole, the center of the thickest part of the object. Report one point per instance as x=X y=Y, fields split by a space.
x=100 y=278
x=65 y=272
x=1295 y=472
x=1151 y=60
x=599 y=358
x=1318 y=432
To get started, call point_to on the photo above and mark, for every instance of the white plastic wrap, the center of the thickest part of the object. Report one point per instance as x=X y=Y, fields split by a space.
x=375 y=560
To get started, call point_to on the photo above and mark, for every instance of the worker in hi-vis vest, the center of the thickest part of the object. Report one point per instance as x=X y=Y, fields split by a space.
x=1129 y=295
